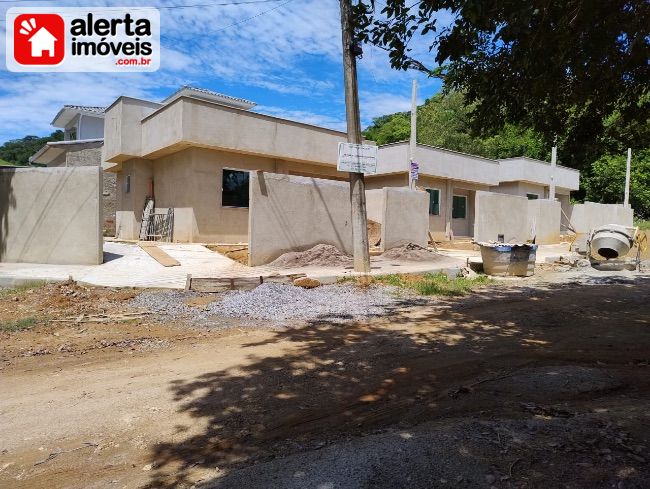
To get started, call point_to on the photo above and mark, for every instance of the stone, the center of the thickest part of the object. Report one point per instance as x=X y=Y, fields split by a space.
x=306 y=282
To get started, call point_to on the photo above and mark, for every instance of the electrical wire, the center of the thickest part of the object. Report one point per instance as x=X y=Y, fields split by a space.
x=162 y=7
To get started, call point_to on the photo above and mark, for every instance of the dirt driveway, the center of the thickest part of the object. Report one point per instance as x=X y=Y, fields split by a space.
x=513 y=387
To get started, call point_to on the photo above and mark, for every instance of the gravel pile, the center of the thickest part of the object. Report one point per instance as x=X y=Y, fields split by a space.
x=281 y=303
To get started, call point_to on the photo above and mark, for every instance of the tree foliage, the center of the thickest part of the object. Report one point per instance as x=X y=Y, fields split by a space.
x=606 y=181
x=18 y=151
x=444 y=121
x=563 y=68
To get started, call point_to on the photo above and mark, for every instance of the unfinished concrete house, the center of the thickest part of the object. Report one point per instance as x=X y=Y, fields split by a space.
x=450 y=178
x=83 y=138
x=528 y=177
x=185 y=168
x=193 y=153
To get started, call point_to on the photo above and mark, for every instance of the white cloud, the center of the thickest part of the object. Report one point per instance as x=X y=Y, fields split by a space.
x=287 y=55
x=304 y=117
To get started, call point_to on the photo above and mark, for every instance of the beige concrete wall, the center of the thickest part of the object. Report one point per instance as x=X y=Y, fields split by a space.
x=51 y=215
x=289 y=213
x=123 y=128
x=128 y=215
x=192 y=180
x=91 y=155
x=590 y=215
x=501 y=214
x=440 y=163
x=189 y=121
x=375 y=205
x=537 y=172
x=405 y=217
x=544 y=221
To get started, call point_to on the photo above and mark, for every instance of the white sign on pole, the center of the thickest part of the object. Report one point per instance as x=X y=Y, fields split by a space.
x=357 y=158
x=415 y=170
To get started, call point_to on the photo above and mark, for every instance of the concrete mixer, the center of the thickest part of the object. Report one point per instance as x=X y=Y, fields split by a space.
x=608 y=246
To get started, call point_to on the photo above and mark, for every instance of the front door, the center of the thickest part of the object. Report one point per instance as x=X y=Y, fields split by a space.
x=459 y=215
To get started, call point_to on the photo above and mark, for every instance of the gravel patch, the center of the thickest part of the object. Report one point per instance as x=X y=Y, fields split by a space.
x=280 y=303
x=167 y=302
x=277 y=304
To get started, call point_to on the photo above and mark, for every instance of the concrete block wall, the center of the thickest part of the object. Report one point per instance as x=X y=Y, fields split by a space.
x=51 y=215
x=501 y=214
x=291 y=213
x=93 y=157
x=405 y=217
x=516 y=218
x=544 y=217
x=375 y=205
x=587 y=216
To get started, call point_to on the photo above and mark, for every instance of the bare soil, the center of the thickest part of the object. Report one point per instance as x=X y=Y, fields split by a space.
x=239 y=253
x=516 y=386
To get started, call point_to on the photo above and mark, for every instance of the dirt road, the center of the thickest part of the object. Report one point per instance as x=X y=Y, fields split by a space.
x=513 y=387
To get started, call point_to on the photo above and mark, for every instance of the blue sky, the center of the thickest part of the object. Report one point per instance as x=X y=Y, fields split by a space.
x=284 y=55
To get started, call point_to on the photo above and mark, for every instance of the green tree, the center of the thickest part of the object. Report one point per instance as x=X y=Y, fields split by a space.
x=560 y=67
x=606 y=182
x=389 y=128
x=444 y=121
x=18 y=151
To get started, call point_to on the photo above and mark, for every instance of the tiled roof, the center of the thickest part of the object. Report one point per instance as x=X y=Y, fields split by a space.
x=211 y=93
x=86 y=108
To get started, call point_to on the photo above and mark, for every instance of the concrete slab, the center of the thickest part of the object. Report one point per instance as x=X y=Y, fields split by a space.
x=127 y=265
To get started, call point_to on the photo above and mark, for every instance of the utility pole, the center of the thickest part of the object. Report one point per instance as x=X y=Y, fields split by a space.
x=626 y=202
x=551 y=192
x=414 y=132
x=357 y=184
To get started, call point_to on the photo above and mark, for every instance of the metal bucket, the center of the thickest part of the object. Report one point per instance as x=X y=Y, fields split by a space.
x=508 y=259
x=611 y=241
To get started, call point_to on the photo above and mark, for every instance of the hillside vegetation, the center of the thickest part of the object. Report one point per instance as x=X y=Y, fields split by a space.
x=444 y=120
x=18 y=151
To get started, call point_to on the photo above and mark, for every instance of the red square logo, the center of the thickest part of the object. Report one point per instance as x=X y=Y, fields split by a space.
x=39 y=39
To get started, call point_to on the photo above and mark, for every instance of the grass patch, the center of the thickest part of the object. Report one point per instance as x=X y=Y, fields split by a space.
x=429 y=283
x=642 y=224
x=22 y=288
x=18 y=324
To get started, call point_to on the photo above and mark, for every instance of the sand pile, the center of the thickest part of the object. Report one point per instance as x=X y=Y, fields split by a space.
x=321 y=255
x=411 y=252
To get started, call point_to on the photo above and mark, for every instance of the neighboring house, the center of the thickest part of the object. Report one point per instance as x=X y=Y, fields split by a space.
x=193 y=152
x=83 y=129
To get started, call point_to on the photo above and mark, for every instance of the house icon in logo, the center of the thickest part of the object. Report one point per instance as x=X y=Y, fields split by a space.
x=39 y=39
x=41 y=42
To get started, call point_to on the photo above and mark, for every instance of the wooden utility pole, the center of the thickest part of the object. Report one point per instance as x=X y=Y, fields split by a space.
x=414 y=132
x=626 y=202
x=357 y=184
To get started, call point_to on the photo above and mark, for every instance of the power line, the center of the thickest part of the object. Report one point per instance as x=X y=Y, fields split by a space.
x=162 y=7
x=253 y=17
